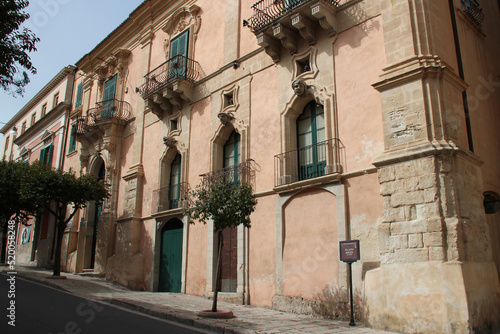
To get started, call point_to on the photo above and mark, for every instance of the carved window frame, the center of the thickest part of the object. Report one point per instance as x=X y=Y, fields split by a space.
x=185 y=18
x=311 y=55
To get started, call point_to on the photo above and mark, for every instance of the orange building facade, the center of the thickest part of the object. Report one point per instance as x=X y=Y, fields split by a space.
x=368 y=120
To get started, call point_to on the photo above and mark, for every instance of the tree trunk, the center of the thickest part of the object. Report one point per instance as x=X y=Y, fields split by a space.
x=57 y=259
x=218 y=273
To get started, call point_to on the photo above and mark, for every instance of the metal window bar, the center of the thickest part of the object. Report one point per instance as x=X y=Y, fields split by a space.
x=171 y=197
x=474 y=11
x=243 y=172
x=177 y=67
x=307 y=162
x=104 y=110
x=266 y=12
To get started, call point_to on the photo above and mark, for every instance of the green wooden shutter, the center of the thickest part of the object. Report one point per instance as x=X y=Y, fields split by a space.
x=175 y=182
x=178 y=55
x=42 y=155
x=108 y=97
x=232 y=150
x=72 y=139
x=311 y=141
x=50 y=148
x=179 y=45
x=79 y=95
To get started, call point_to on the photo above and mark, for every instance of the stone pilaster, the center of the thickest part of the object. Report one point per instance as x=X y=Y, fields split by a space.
x=232 y=26
x=436 y=272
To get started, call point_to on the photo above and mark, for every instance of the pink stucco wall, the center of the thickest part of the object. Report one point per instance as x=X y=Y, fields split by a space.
x=310 y=252
x=359 y=59
x=265 y=126
x=262 y=252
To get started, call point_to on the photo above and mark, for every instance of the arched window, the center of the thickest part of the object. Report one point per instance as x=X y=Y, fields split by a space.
x=175 y=182
x=232 y=150
x=311 y=141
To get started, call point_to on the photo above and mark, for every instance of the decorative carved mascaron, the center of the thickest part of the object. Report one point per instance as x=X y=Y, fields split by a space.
x=225 y=118
x=299 y=87
x=169 y=141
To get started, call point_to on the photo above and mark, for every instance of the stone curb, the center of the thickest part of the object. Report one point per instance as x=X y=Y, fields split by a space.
x=175 y=315
x=167 y=313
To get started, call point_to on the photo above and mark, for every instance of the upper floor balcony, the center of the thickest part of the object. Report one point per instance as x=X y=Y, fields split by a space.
x=307 y=163
x=474 y=11
x=171 y=197
x=243 y=172
x=171 y=83
x=285 y=21
x=104 y=116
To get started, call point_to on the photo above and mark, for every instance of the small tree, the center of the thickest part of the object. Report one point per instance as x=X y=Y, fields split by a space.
x=63 y=189
x=12 y=206
x=228 y=204
x=15 y=46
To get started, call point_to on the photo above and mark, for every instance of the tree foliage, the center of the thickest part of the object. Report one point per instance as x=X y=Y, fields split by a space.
x=228 y=204
x=26 y=189
x=11 y=204
x=55 y=191
x=15 y=44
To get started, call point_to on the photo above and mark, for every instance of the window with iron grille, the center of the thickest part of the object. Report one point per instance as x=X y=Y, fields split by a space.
x=46 y=155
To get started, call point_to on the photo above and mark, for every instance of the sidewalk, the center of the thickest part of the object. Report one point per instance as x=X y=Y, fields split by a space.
x=183 y=308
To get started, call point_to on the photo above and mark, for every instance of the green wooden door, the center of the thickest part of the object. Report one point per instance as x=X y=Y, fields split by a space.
x=108 y=98
x=171 y=257
x=178 y=56
x=311 y=141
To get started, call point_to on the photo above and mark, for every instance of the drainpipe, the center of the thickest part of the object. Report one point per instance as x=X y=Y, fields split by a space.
x=461 y=73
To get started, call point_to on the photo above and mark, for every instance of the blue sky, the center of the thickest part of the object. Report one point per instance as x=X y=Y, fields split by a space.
x=68 y=29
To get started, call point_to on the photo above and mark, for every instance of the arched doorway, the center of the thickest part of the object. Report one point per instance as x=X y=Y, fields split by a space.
x=171 y=256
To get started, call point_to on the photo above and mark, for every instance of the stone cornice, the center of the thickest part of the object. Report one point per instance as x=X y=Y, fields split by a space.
x=130 y=33
x=68 y=70
x=416 y=68
x=423 y=149
x=43 y=123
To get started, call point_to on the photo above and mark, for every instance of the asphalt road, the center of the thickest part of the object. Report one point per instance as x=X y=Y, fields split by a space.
x=35 y=308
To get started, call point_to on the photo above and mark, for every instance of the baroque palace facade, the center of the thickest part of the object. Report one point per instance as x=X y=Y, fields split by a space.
x=369 y=120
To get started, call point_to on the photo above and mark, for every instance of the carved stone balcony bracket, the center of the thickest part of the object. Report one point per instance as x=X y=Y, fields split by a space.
x=270 y=44
x=326 y=17
x=282 y=21
x=305 y=27
x=286 y=36
x=169 y=98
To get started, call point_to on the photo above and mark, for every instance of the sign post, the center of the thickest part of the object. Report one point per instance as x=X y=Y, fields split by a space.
x=349 y=253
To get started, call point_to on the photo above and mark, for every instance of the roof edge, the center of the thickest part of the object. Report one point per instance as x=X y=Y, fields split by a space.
x=39 y=96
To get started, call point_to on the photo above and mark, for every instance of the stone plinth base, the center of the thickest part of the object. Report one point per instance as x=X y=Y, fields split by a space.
x=220 y=314
x=433 y=297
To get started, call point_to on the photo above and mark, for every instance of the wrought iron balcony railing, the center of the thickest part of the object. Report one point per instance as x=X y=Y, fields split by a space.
x=178 y=67
x=266 y=12
x=171 y=197
x=104 y=110
x=307 y=162
x=474 y=11
x=243 y=172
